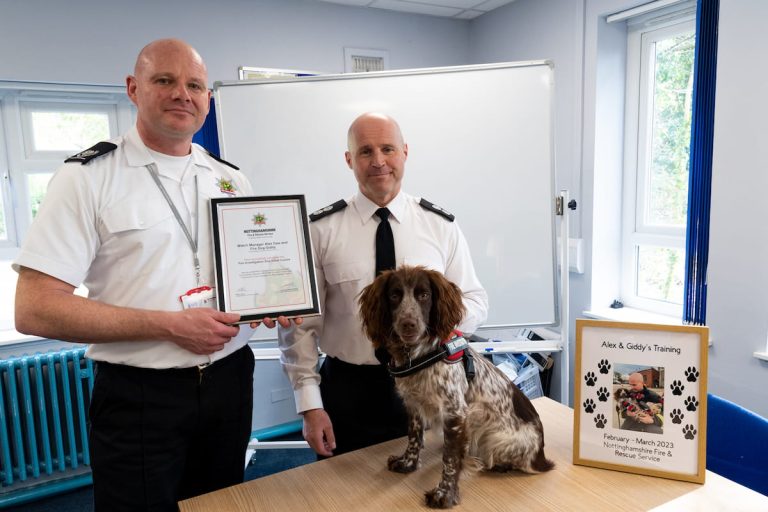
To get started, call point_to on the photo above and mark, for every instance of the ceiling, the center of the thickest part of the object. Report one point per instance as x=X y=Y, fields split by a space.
x=458 y=9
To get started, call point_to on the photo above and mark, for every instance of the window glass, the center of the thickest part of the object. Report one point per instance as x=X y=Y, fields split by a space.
x=68 y=131
x=37 y=184
x=671 y=125
x=3 y=226
x=660 y=273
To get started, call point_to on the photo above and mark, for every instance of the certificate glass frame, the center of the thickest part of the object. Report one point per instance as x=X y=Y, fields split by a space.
x=611 y=418
x=264 y=265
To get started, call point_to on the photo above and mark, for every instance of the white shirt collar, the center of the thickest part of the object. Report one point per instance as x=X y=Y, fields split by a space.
x=138 y=156
x=367 y=208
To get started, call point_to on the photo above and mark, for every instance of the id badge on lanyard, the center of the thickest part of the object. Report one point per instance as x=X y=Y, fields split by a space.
x=201 y=297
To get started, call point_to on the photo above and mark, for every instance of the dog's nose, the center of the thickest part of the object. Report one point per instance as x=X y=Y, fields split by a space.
x=408 y=324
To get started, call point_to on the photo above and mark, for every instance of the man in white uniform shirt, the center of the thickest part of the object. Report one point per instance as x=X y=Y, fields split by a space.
x=351 y=402
x=129 y=218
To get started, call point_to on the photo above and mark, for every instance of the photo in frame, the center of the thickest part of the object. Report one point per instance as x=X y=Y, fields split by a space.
x=640 y=398
x=264 y=265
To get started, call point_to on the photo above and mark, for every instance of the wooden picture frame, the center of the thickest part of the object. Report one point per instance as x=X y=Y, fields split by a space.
x=657 y=430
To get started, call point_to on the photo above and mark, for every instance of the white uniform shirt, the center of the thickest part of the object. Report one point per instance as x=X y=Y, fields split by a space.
x=106 y=224
x=345 y=256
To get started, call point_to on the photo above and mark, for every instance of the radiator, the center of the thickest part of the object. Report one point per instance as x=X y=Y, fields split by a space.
x=44 y=402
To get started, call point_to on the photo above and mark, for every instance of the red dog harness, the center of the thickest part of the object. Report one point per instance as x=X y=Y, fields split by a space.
x=450 y=351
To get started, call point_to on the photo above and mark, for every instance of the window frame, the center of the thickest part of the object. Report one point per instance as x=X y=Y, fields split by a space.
x=18 y=161
x=642 y=34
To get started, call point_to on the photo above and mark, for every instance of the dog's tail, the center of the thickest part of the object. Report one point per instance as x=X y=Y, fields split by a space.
x=540 y=462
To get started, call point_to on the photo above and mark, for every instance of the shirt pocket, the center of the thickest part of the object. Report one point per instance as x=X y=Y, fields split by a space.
x=126 y=216
x=346 y=272
x=141 y=237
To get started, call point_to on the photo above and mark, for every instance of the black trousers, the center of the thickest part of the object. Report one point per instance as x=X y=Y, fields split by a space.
x=362 y=403
x=160 y=436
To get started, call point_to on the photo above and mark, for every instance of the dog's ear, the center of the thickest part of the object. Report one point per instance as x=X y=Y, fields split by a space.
x=375 y=311
x=447 y=307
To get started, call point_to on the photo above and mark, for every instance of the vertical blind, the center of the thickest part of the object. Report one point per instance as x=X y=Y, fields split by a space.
x=700 y=172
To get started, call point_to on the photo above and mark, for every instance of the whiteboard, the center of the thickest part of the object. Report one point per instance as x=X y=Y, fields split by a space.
x=480 y=142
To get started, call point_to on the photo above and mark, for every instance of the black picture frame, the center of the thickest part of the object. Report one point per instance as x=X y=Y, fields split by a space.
x=264 y=264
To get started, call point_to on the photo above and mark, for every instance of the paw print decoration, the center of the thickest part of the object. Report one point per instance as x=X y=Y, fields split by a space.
x=691 y=403
x=589 y=406
x=692 y=374
x=677 y=387
x=689 y=431
x=590 y=378
x=600 y=421
x=602 y=394
x=604 y=366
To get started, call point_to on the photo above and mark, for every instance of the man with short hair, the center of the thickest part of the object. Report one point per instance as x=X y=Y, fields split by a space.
x=351 y=402
x=128 y=218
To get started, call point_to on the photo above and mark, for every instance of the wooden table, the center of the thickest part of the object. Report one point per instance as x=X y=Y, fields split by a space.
x=360 y=481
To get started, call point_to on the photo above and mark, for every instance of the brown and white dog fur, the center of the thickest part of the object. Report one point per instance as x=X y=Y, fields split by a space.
x=408 y=311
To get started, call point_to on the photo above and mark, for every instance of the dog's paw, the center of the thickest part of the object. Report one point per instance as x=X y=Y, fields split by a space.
x=440 y=497
x=402 y=463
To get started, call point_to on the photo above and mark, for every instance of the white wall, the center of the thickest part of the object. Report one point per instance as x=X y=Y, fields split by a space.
x=737 y=295
x=96 y=41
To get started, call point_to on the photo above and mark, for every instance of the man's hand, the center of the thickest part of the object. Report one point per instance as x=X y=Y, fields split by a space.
x=318 y=432
x=283 y=321
x=203 y=330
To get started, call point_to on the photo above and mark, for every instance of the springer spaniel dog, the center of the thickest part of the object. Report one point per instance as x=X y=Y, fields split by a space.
x=412 y=312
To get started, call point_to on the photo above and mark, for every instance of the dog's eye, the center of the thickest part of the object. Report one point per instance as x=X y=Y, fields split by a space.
x=422 y=295
x=395 y=296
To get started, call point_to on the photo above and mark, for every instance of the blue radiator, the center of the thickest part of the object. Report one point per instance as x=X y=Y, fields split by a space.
x=44 y=402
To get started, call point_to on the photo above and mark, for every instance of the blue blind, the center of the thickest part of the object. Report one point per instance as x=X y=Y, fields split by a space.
x=700 y=172
x=208 y=135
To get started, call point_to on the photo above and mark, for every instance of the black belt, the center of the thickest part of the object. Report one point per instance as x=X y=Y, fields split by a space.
x=192 y=372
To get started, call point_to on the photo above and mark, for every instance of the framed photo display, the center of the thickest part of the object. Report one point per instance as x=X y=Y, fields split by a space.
x=263 y=257
x=640 y=398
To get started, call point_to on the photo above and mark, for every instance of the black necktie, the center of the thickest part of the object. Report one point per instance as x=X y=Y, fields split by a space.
x=385 y=243
x=385 y=260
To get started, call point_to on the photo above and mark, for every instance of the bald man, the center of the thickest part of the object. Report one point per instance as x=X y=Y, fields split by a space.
x=129 y=219
x=350 y=402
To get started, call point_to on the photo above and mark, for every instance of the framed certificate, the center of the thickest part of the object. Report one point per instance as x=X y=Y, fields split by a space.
x=640 y=398
x=263 y=257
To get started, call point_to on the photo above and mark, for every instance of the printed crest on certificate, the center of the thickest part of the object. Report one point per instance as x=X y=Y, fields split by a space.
x=263 y=257
x=640 y=398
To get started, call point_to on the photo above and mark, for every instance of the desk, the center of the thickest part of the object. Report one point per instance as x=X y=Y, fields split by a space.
x=360 y=481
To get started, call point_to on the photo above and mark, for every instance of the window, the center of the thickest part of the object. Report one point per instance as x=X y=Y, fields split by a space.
x=660 y=57
x=40 y=125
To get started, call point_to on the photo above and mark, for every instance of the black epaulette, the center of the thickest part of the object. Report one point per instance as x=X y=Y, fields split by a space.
x=324 y=212
x=219 y=159
x=85 y=156
x=436 y=209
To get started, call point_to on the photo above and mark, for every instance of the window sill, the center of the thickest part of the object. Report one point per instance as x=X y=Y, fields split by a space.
x=626 y=314
x=13 y=337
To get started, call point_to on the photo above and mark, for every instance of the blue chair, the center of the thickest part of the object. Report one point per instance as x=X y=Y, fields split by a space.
x=737 y=444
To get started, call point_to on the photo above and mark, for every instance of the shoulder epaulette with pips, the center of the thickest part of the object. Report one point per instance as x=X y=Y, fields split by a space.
x=436 y=209
x=85 y=156
x=328 y=210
